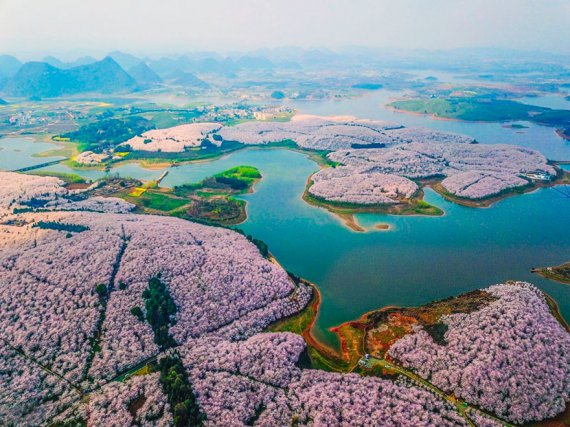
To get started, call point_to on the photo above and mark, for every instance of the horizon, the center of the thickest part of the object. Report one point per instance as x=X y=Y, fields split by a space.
x=224 y=27
x=278 y=53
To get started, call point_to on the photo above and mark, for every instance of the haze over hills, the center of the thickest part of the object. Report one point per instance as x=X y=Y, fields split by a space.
x=125 y=60
x=56 y=62
x=144 y=75
x=119 y=71
x=40 y=79
x=9 y=65
x=188 y=80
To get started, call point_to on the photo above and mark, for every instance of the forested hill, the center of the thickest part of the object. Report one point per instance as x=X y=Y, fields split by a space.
x=39 y=79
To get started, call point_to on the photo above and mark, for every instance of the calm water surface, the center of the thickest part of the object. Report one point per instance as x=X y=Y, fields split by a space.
x=420 y=260
x=372 y=106
x=20 y=152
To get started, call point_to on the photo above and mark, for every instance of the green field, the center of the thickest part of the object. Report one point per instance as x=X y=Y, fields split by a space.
x=209 y=201
x=483 y=110
x=160 y=202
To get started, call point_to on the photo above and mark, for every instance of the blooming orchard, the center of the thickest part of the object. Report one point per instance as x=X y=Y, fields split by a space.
x=73 y=322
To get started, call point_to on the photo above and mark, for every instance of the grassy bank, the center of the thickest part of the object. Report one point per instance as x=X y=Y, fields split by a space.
x=209 y=201
x=482 y=109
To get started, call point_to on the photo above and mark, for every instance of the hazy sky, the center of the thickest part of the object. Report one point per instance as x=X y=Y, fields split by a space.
x=153 y=26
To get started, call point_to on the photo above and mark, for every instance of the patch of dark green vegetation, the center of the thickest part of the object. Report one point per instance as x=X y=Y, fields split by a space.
x=160 y=201
x=77 y=422
x=61 y=226
x=368 y=86
x=160 y=312
x=108 y=133
x=176 y=385
x=258 y=411
x=239 y=178
x=214 y=210
x=372 y=145
x=101 y=290
x=35 y=203
x=138 y=313
x=485 y=109
x=261 y=245
x=437 y=332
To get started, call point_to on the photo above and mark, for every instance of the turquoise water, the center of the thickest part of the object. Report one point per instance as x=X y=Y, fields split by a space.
x=21 y=152
x=131 y=170
x=420 y=260
x=558 y=102
x=18 y=152
x=372 y=106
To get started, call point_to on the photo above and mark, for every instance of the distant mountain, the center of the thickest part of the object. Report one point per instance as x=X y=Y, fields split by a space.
x=144 y=75
x=254 y=63
x=189 y=80
x=55 y=62
x=83 y=60
x=9 y=65
x=39 y=79
x=125 y=60
x=2 y=102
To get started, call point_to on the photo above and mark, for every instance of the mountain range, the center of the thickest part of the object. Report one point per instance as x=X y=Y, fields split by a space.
x=144 y=75
x=40 y=79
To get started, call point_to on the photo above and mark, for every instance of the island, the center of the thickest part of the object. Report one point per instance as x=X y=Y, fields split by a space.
x=483 y=108
x=366 y=165
x=559 y=273
x=210 y=200
x=115 y=318
x=564 y=133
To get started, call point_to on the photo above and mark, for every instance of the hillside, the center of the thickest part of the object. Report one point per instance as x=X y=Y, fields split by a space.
x=144 y=75
x=189 y=80
x=108 y=133
x=483 y=110
x=56 y=62
x=9 y=65
x=40 y=79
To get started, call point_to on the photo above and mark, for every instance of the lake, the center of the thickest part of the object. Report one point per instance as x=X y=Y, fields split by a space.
x=420 y=260
x=372 y=106
x=20 y=152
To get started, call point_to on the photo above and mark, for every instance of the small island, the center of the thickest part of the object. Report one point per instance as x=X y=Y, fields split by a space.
x=559 y=273
x=210 y=201
x=481 y=108
x=564 y=133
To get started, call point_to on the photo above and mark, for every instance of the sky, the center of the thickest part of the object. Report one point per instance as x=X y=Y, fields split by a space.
x=73 y=27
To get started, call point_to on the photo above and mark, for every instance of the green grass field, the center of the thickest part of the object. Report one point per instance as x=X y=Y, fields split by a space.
x=160 y=202
x=483 y=110
x=247 y=174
